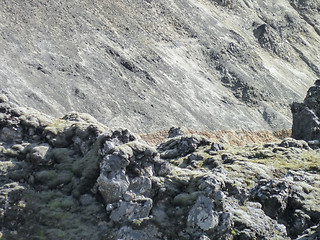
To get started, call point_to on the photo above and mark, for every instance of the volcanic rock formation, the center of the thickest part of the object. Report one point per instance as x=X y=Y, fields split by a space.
x=74 y=178
x=306 y=117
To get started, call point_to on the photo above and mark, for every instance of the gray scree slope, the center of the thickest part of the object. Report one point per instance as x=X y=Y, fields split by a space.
x=147 y=64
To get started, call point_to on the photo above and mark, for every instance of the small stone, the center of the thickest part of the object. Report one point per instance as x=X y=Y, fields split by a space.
x=3 y=98
x=129 y=196
x=39 y=155
x=109 y=207
x=216 y=147
x=219 y=197
x=227 y=158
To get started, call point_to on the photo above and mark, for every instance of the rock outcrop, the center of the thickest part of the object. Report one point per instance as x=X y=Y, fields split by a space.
x=74 y=178
x=306 y=117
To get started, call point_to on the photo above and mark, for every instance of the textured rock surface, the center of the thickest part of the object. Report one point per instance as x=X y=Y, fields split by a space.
x=208 y=64
x=306 y=117
x=73 y=178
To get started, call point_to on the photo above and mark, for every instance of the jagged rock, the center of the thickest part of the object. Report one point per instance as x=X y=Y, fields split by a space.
x=273 y=196
x=300 y=221
x=127 y=169
x=202 y=215
x=3 y=98
x=290 y=142
x=311 y=233
x=250 y=223
x=112 y=187
x=211 y=184
x=306 y=116
x=11 y=134
x=39 y=155
x=11 y=206
x=269 y=39
x=181 y=146
x=175 y=132
x=139 y=208
x=216 y=146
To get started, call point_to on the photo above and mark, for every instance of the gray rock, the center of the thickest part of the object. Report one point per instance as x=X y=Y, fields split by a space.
x=216 y=146
x=141 y=186
x=306 y=116
x=140 y=208
x=219 y=200
x=11 y=205
x=273 y=195
x=290 y=142
x=126 y=171
x=300 y=222
x=202 y=215
x=181 y=146
x=254 y=223
x=40 y=155
x=211 y=184
x=113 y=162
x=175 y=132
x=129 y=196
x=108 y=147
x=11 y=134
x=3 y=98
x=113 y=185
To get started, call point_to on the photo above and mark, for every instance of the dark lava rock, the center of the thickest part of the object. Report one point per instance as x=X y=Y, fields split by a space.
x=79 y=179
x=306 y=117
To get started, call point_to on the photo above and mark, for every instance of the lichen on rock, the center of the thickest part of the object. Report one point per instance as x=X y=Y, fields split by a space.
x=79 y=179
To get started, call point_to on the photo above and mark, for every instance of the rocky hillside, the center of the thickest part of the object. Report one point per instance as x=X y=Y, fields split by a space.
x=74 y=178
x=205 y=64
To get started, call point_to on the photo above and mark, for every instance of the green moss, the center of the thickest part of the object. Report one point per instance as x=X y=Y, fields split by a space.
x=88 y=166
x=5 y=166
x=57 y=126
x=52 y=179
x=61 y=155
x=179 y=162
x=61 y=203
x=307 y=160
x=248 y=182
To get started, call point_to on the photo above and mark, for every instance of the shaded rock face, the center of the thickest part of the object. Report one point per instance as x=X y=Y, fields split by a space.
x=214 y=64
x=306 y=117
x=74 y=178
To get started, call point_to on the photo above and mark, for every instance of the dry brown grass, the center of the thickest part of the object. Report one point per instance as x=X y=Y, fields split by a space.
x=230 y=137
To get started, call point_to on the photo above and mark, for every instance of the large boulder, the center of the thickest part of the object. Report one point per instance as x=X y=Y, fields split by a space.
x=306 y=117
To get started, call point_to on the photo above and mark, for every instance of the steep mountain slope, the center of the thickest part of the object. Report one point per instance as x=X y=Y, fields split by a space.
x=147 y=64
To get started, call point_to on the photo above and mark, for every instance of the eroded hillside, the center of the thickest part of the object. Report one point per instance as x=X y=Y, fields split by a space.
x=148 y=65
